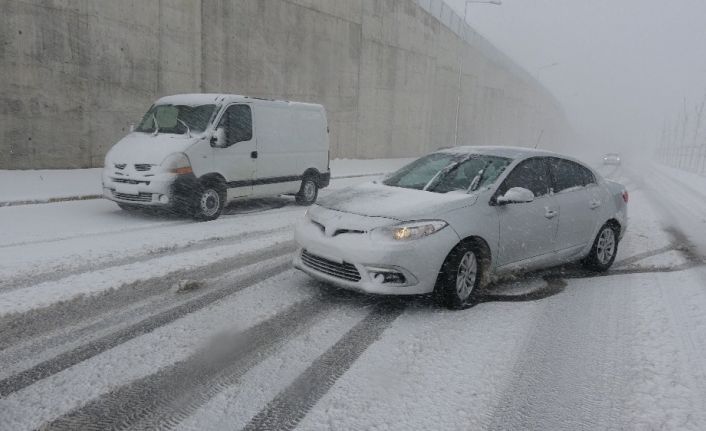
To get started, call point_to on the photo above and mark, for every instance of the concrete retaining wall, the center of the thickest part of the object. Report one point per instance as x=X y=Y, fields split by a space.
x=76 y=73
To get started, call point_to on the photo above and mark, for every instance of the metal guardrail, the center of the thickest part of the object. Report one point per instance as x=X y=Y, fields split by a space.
x=691 y=158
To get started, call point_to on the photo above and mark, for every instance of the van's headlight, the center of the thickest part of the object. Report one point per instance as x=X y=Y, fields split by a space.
x=410 y=231
x=177 y=163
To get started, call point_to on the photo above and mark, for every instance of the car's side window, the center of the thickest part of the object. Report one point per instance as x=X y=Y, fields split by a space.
x=531 y=174
x=569 y=175
x=589 y=178
x=237 y=122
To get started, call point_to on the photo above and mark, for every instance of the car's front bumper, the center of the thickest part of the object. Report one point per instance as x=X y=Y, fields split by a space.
x=336 y=256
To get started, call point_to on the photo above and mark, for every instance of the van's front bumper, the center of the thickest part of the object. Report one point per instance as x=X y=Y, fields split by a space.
x=160 y=190
x=359 y=262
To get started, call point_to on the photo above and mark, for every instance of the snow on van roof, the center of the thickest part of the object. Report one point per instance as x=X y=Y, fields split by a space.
x=211 y=98
x=509 y=152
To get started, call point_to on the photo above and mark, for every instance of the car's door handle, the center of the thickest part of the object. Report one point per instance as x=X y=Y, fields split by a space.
x=594 y=204
x=550 y=214
x=253 y=155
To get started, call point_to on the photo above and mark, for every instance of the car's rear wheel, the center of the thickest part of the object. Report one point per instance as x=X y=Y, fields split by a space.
x=308 y=192
x=210 y=201
x=604 y=250
x=460 y=277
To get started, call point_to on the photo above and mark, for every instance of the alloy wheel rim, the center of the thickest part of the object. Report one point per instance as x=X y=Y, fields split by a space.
x=309 y=190
x=210 y=201
x=606 y=246
x=466 y=275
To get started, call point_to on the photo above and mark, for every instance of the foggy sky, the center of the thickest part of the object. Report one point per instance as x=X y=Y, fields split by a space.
x=624 y=65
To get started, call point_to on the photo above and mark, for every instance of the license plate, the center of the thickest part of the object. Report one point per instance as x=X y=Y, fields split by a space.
x=127 y=189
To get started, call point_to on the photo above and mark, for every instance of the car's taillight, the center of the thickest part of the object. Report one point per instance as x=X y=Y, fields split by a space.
x=626 y=196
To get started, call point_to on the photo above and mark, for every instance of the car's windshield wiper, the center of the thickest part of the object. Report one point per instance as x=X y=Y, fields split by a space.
x=436 y=180
x=188 y=129
x=478 y=180
x=156 y=125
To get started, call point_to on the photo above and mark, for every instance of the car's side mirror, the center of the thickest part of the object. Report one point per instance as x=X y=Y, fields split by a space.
x=516 y=195
x=132 y=127
x=218 y=140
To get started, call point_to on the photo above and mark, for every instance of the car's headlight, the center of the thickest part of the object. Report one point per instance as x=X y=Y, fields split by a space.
x=410 y=231
x=177 y=163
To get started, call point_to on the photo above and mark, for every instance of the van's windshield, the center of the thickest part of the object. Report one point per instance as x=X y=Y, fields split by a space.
x=176 y=119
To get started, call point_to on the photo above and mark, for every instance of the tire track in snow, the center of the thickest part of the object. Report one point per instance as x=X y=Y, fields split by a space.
x=566 y=375
x=55 y=365
x=163 y=399
x=15 y=328
x=288 y=408
x=54 y=275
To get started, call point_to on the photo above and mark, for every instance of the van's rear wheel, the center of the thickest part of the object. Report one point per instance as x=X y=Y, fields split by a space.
x=210 y=201
x=308 y=192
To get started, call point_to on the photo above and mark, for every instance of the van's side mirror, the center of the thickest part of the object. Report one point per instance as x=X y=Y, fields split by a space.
x=218 y=140
x=132 y=127
x=516 y=195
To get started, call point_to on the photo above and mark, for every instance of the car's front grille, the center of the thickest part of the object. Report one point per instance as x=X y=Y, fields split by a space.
x=345 y=271
x=143 y=167
x=142 y=197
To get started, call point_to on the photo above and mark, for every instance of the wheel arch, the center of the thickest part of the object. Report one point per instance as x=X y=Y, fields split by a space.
x=613 y=222
x=486 y=257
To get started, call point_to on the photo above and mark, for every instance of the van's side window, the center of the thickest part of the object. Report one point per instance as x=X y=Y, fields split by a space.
x=237 y=122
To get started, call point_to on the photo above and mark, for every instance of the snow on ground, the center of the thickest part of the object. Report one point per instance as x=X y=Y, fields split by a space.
x=621 y=351
x=47 y=184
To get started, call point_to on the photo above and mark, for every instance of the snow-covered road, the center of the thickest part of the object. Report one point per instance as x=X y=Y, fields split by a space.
x=95 y=332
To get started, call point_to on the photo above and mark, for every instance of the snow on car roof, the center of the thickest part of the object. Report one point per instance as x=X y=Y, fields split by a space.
x=509 y=152
x=205 y=99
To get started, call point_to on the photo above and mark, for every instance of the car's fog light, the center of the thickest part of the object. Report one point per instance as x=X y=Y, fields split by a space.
x=164 y=199
x=389 y=277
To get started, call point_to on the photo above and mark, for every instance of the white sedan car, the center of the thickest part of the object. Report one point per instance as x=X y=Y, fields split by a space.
x=449 y=221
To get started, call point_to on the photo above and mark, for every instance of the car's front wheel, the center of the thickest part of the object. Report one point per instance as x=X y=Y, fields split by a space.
x=210 y=201
x=460 y=277
x=604 y=250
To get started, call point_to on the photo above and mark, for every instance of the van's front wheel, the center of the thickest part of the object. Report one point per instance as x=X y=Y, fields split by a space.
x=210 y=201
x=308 y=192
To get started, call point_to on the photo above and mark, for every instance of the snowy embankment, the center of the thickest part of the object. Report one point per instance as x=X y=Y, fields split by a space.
x=42 y=186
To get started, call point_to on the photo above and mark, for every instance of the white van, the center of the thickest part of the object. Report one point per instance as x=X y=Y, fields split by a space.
x=197 y=152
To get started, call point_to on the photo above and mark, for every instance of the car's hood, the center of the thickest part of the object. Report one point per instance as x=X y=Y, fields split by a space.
x=379 y=200
x=148 y=149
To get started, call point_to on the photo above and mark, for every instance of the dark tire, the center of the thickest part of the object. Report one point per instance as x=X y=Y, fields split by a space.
x=209 y=200
x=308 y=192
x=604 y=250
x=461 y=277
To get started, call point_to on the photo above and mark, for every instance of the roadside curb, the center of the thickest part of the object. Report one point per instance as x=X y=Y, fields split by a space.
x=50 y=200
x=93 y=197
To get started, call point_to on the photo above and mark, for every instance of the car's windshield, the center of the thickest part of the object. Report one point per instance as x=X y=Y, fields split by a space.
x=176 y=119
x=446 y=172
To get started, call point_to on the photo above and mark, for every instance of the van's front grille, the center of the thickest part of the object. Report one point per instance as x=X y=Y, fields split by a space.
x=126 y=181
x=345 y=270
x=143 y=167
x=142 y=197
